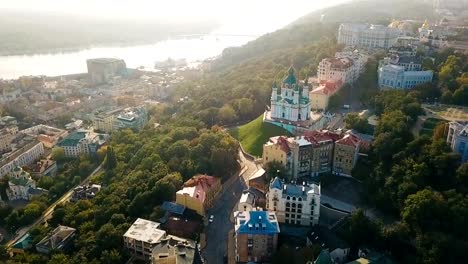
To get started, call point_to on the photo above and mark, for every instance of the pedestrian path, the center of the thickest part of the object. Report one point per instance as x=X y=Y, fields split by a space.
x=336 y=204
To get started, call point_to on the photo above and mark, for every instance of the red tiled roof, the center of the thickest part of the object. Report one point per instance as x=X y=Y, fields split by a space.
x=282 y=142
x=349 y=140
x=203 y=180
x=316 y=136
x=328 y=87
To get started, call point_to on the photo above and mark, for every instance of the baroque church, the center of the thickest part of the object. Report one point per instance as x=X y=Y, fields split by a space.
x=291 y=100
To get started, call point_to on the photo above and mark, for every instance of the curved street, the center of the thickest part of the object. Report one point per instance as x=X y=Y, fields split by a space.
x=217 y=232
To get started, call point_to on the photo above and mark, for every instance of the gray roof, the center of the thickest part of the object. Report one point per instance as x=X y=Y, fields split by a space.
x=296 y=190
x=180 y=250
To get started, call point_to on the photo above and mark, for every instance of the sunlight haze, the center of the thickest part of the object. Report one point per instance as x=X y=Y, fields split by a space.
x=252 y=17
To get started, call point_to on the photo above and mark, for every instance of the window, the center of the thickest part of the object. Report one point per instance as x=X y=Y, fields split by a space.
x=287 y=215
x=293 y=205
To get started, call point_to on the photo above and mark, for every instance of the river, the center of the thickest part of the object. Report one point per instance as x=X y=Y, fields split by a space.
x=189 y=48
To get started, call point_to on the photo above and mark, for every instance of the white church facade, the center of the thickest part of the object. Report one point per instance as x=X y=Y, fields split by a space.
x=291 y=100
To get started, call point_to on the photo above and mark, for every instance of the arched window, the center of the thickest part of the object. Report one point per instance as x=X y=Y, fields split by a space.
x=299 y=199
x=293 y=205
x=294 y=198
x=288 y=198
x=288 y=204
x=299 y=206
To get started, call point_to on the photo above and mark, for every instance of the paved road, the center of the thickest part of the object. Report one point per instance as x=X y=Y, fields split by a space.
x=48 y=212
x=217 y=232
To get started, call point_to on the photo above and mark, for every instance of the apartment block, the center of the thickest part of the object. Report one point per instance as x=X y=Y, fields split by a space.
x=294 y=203
x=303 y=156
x=256 y=235
x=345 y=154
x=142 y=237
x=82 y=142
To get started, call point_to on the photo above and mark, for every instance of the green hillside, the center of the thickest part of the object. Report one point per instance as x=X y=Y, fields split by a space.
x=253 y=135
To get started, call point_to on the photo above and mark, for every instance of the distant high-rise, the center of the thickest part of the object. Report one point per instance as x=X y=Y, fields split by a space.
x=102 y=70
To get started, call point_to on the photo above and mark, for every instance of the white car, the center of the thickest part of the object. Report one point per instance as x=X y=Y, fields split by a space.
x=211 y=219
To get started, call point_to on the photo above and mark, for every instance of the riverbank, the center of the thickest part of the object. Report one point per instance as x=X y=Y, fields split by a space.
x=135 y=56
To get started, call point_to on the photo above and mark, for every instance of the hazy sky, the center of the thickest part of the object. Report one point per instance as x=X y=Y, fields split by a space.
x=251 y=15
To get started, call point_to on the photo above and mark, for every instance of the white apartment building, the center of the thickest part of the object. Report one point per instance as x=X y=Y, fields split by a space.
x=367 y=35
x=22 y=156
x=82 y=142
x=142 y=237
x=294 y=203
x=359 y=59
x=336 y=70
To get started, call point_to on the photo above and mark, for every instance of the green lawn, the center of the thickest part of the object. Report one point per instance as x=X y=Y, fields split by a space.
x=256 y=133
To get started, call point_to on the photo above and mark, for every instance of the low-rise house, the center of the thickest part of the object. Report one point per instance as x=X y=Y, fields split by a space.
x=246 y=202
x=44 y=167
x=23 y=244
x=294 y=203
x=59 y=239
x=142 y=237
x=21 y=186
x=256 y=235
x=457 y=138
x=198 y=193
x=85 y=192
x=175 y=250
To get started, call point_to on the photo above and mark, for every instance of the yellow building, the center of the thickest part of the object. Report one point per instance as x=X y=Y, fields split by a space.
x=198 y=193
x=345 y=154
x=104 y=122
x=320 y=96
x=276 y=149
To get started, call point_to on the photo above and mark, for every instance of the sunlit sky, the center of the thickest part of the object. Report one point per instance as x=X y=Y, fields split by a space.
x=249 y=16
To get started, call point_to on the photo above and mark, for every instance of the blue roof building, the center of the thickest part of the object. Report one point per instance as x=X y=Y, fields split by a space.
x=256 y=235
x=257 y=222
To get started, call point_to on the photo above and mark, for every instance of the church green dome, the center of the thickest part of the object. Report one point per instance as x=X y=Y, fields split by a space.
x=291 y=78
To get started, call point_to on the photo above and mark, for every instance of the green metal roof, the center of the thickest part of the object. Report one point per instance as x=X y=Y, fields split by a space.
x=72 y=139
x=24 y=242
x=291 y=77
